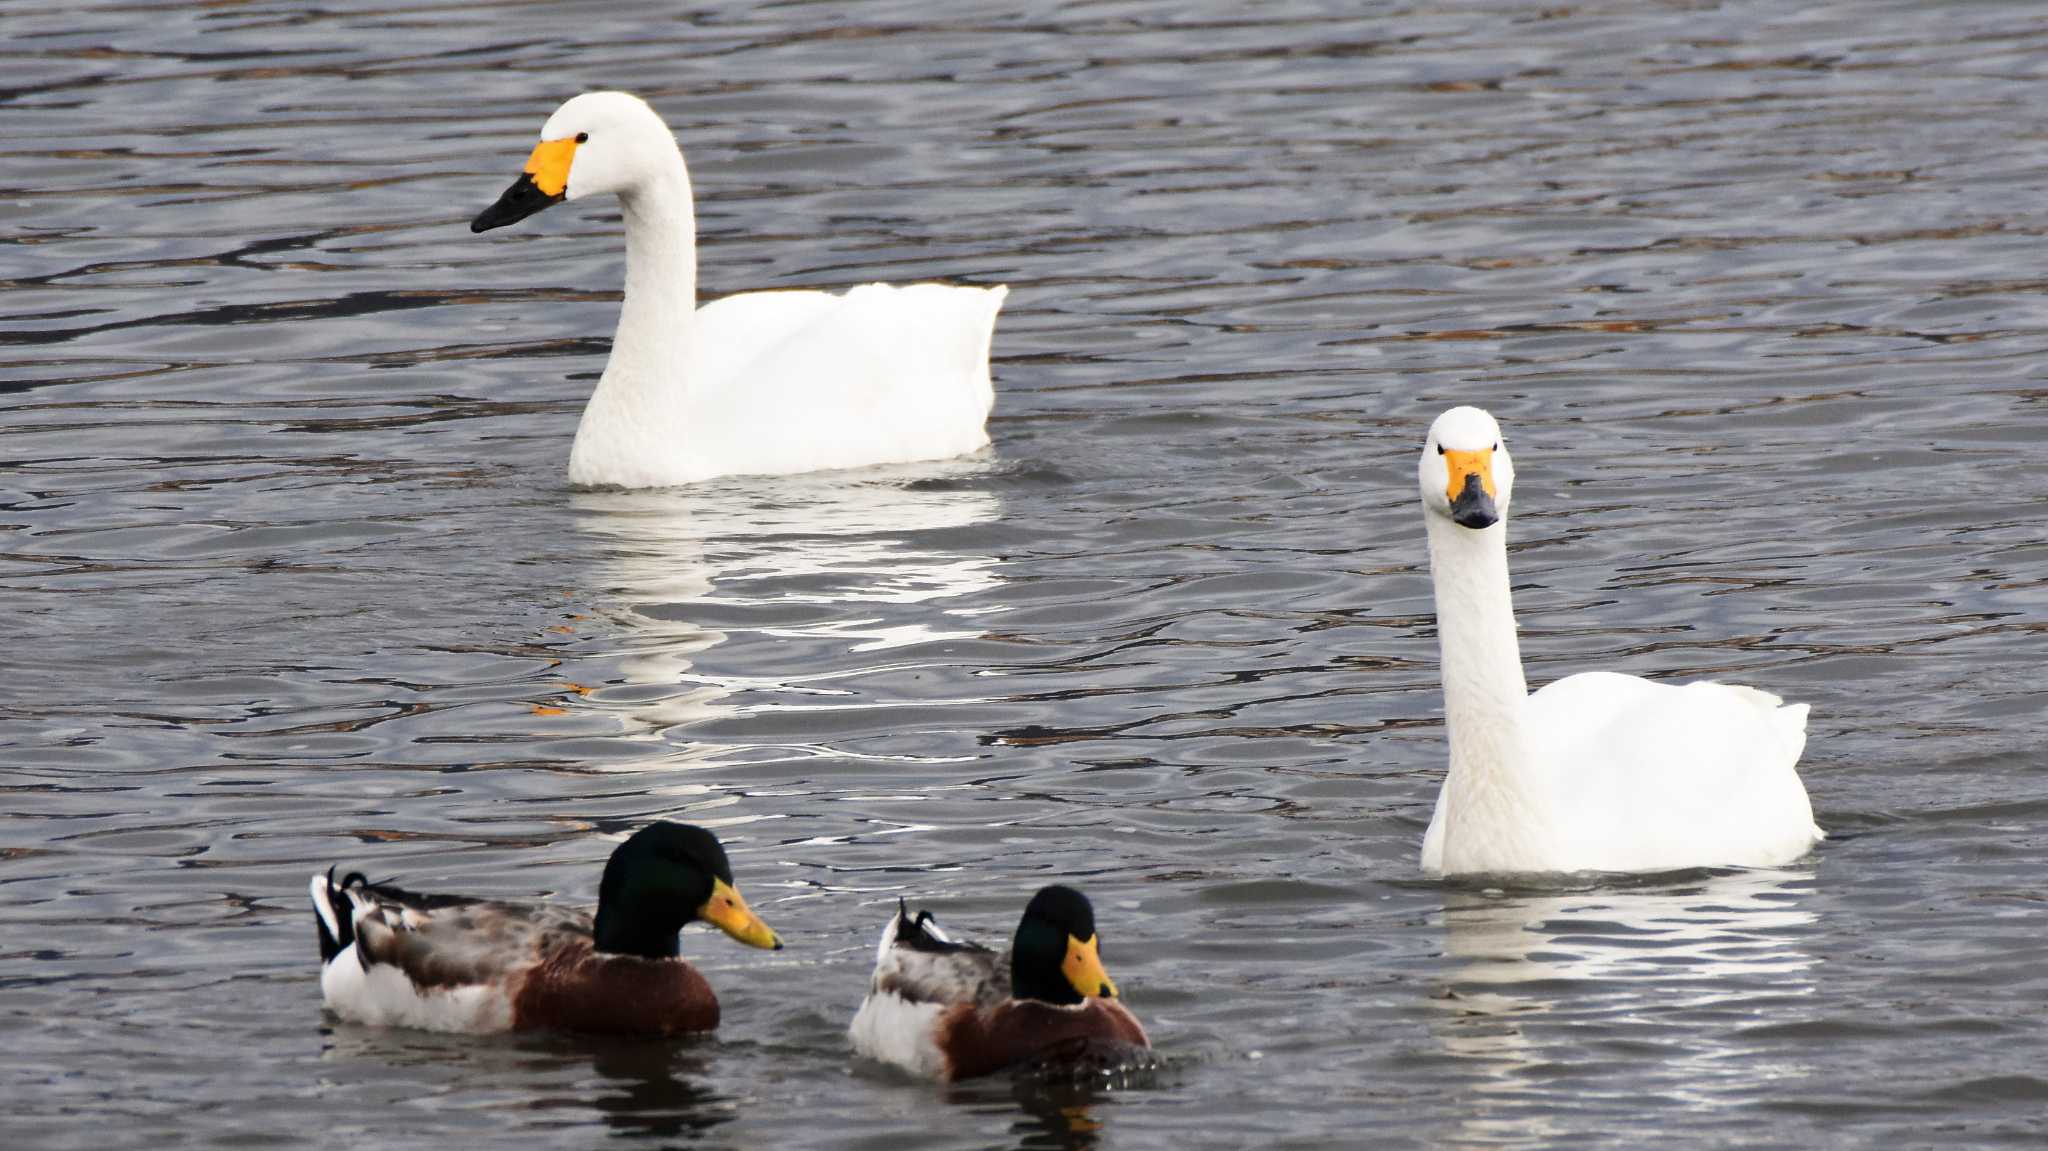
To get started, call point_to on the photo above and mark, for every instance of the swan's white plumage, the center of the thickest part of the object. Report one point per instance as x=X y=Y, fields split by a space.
x=1598 y=771
x=759 y=383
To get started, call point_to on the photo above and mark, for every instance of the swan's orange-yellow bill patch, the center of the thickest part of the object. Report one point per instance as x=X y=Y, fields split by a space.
x=1464 y=464
x=549 y=164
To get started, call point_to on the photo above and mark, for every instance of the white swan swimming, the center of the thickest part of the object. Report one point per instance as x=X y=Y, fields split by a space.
x=760 y=383
x=1597 y=771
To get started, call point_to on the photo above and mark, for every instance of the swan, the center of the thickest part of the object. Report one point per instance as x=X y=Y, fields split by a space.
x=759 y=383
x=1597 y=771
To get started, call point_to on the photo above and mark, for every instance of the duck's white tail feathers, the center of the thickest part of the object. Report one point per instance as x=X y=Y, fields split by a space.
x=889 y=932
x=335 y=912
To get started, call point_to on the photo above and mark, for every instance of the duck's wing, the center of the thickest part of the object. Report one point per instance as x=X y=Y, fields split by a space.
x=1648 y=775
x=920 y=963
x=438 y=961
x=450 y=940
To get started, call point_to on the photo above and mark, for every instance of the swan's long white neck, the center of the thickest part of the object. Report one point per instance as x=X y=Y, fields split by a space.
x=645 y=382
x=1494 y=807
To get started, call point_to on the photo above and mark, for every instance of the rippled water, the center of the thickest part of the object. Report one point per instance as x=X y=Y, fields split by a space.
x=292 y=574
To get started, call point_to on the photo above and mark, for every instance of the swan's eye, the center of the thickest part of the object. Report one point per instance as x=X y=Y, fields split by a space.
x=1439 y=449
x=1496 y=445
x=583 y=137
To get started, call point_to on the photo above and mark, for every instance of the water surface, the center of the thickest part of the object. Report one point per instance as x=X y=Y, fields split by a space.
x=293 y=576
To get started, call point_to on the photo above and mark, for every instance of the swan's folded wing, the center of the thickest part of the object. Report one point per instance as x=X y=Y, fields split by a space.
x=740 y=329
x=879 y=375
x=1648 y=775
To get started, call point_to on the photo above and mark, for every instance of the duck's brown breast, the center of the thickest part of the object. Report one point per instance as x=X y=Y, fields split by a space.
x=980 y=1041
x=576 y=989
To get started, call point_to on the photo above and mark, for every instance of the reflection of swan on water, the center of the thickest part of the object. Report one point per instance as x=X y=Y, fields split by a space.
x=812 y=558
x=1548 y=981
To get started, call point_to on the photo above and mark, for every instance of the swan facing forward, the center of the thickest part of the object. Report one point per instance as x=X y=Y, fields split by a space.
x=1597 y=771
x=760 y=383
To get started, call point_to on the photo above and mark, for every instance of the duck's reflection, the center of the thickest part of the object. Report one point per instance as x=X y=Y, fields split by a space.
x=640 y=1086
x=1062 y=1114
x=1660 y=985
x=1063 y=1118
x=822 y=565
x=655 y=1088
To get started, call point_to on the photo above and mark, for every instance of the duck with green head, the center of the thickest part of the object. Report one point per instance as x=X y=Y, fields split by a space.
x=450 y=963
x=950 y=1010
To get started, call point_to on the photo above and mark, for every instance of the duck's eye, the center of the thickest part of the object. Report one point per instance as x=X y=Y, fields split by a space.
x=1439 y=449
x=583 y=137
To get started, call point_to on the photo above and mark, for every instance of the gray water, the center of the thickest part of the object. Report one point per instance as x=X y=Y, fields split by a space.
x=292 y=575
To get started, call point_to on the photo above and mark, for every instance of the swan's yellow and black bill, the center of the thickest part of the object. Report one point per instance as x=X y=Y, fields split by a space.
x=1470 y=490
x=729 y=913
x=1083 y=969
x=544 y=181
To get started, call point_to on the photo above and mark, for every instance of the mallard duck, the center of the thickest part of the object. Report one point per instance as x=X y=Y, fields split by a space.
x=450 y=963
x=953 y=1010
x=761 y=383
x=1597 y=771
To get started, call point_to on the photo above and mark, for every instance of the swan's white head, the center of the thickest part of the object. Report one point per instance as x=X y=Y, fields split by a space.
x=597 y=142
x=1465 y=472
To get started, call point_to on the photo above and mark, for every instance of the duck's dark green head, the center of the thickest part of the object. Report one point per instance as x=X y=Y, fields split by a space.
x=1054 y=956
x=666 y=875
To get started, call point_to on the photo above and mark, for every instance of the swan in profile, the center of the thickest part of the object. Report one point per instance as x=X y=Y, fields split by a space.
x=1597 y=771
x=759 y=383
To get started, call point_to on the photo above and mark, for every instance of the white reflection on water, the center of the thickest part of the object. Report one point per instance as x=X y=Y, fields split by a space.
x=822 y=562
x=1549 y=987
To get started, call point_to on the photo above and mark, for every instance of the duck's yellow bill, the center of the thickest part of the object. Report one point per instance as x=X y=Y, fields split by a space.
x=729 y=913
x=1083 y=969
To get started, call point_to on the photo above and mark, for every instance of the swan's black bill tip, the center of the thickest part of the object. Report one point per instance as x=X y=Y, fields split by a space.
x=521 y=200
x=1474 y=508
